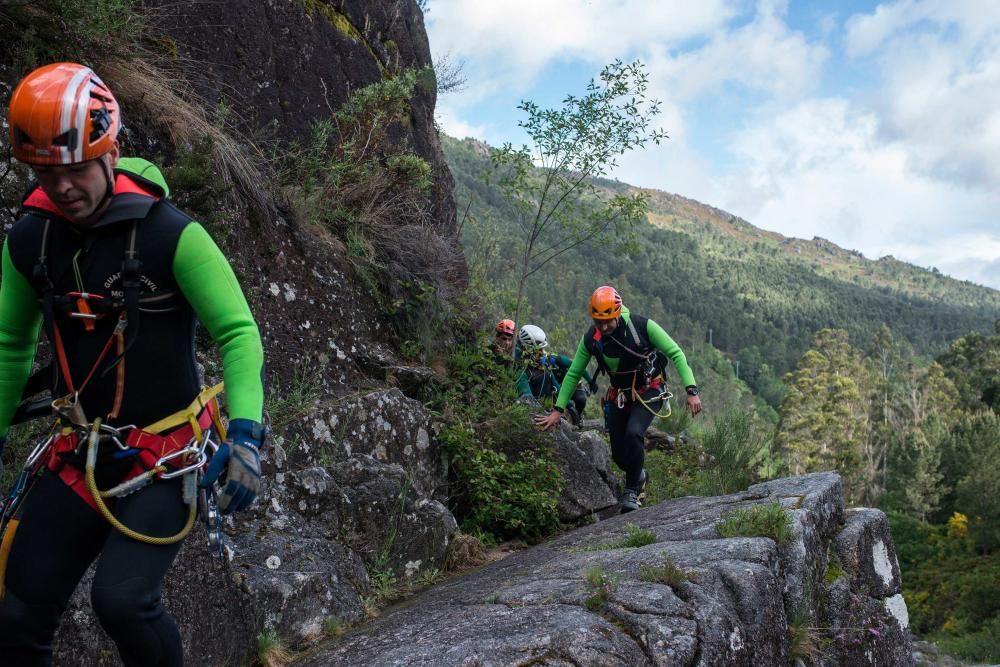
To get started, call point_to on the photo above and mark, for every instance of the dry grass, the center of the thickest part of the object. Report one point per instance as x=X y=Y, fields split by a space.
x=465 y=552
x=164 y=96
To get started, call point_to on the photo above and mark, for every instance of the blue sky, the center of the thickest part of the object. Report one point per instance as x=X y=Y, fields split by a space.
x=874 y=125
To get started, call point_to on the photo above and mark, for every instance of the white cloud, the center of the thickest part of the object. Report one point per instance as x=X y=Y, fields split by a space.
x=452 y=124
x=764 y=55
x=820 y=169
x=514 y=40
x=940 y=65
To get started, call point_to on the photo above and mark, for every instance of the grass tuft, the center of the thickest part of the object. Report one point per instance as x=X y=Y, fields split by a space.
x=667 y=573
x=271 y=651
x=769 y=520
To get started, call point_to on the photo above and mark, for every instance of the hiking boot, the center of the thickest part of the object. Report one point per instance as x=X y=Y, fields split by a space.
x=630 y=501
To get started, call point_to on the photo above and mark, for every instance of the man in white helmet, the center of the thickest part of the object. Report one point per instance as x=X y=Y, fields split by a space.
x=543 y=373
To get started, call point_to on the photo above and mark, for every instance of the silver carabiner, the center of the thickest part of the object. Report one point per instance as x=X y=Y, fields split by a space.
x=191 y=448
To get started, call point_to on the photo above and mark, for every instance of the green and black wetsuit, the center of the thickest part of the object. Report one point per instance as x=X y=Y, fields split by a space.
x=544 y=376
x=183 y=277
x=626 y=355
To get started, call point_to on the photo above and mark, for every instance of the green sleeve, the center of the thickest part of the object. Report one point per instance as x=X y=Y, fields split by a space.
x=665 y=344
x=20 y=322
x=576 y=369
x=566 y=362
x=208 y=283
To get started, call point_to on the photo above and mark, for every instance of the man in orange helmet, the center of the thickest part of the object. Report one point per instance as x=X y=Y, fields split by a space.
x=117 y=276
x=633 y=351
x=503 y=342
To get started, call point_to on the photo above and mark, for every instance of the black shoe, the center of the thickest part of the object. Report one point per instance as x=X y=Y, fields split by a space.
x=630 y=501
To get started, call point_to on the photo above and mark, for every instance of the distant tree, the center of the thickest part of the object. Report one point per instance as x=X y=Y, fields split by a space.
x=550 y=185
x=973 y=364
x=824 y=417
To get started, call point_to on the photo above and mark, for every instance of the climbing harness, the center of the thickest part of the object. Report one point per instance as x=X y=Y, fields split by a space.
x=648 y=368
x=180 y=445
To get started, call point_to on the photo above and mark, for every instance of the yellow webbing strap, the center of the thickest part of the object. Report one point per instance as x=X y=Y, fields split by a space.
x=188 y=414
x=5 y=546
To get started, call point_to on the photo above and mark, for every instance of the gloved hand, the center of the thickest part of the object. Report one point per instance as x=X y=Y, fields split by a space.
x=241 y=453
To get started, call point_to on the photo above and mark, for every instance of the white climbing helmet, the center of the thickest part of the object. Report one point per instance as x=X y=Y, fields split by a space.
x=532 y=338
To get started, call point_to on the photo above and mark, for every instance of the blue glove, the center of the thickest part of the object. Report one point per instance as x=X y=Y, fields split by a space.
x=240 y=456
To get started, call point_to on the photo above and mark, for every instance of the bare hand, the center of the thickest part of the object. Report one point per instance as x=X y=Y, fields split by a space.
x=549 y=421
x=694 y=405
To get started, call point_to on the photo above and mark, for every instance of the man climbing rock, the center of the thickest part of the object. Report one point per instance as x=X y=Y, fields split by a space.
x=633 y=351
x=117 y=276
x=543 y=374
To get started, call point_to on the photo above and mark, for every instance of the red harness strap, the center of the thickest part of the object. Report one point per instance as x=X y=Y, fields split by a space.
x=151 y=448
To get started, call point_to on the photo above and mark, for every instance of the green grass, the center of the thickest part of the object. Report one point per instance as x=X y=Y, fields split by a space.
x=600 y=584
x=769 y=520
x=666 y=573
x=634 y=538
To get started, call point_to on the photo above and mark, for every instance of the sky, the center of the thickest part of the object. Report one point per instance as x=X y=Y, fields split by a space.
x=874 y=125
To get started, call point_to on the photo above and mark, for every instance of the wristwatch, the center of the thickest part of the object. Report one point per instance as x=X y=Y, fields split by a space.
x=692 y=390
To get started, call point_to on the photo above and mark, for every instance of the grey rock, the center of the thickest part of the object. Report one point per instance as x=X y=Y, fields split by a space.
x=584 y=462
x=865 y=549
x=538 y=607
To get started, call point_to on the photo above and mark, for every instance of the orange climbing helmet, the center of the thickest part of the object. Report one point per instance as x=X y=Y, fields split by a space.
x=506 y=327
x=62 y=114
x=605 y=303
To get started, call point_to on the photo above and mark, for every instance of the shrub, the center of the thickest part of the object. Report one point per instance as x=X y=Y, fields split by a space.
x=739 y=448
x=981 y=646
x=636 y=537
x=769 y=520
x=509 y=498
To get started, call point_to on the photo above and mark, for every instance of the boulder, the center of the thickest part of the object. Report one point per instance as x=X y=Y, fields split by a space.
x=590 y=484
x=585 y=599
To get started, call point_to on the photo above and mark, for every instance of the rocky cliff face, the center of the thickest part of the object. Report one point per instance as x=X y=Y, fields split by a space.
x=829 y=596
x=282 y=64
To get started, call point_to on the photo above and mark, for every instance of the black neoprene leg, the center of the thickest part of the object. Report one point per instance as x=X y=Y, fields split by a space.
x=626 y=427
x=58 y=537
x=580 y=400
x=126 y=591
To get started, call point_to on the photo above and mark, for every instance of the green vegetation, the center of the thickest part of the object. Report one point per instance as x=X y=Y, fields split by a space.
x=373 y=194
x=634 y=538
x=506 y=483
x=803 y=638
x=692 y=269
x=729 y=454
x=86 y=28
x=601 y=586
x=667 y=573
x=771 y=520
x=286 y=404
x=549 y=186
x=271 y=651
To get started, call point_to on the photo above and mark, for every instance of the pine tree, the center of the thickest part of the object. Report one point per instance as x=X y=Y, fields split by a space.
x=824 y=417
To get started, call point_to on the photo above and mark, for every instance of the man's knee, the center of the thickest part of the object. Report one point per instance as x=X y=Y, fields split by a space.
x=124 y=603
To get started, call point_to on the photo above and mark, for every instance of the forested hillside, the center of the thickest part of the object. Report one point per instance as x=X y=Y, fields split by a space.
x=696 y=269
